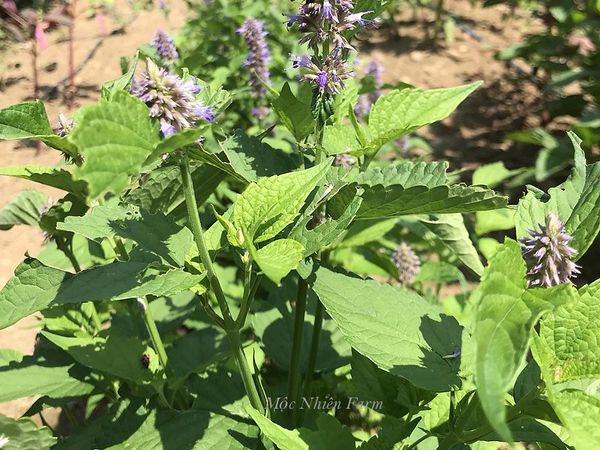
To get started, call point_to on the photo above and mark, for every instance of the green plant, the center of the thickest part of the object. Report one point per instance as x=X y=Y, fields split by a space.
x=204 y=289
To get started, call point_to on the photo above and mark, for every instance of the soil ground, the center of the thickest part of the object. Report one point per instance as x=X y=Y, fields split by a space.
x=473 y=135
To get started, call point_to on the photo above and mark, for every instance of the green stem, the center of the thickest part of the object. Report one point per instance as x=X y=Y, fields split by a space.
x=295 y=375
x=120 y=248
x=314 y=350
x=233 y=333
x=418 y=441
x=154 y=334
x=64 y=246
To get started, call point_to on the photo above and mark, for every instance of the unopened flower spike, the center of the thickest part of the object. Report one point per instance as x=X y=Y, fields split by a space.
x=163 y=43
x=171 y=100
x=548 y=255
x=258 y=54
x=407 y=262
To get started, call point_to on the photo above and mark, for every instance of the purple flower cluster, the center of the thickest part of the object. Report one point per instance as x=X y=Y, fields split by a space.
x=548 y=254
x=323 y=23
x=258 y=54
x=328 y=75
x=163 y=43
x=171 y=100
x=366 y=101
x=407 y=262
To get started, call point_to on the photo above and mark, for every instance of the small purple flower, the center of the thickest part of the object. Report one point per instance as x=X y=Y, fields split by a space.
x=258 y=54
x=163 y=43
x=407 y=262
x=328 y=12
x=301 y=61
x=65 y=125
x=170 y=99
x=329 y=76
x=548 y=255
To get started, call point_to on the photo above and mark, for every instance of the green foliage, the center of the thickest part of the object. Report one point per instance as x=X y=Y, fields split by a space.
x=244 y=284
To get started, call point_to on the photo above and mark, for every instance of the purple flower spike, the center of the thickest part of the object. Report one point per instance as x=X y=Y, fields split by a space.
x=407 y=262
x=328 y=12
x=258 y=54
x=163 y=43
x=548 y=254
x=170 y=99
x=322 y=80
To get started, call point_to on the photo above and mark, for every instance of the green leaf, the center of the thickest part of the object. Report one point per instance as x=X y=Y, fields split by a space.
x=580 y=414
x=505 y=316
x=174 y=142
x=499 y=219
x=279 y=258
x=405 y=173
x=451 y=230
x=381 y=202
x=571 y=338
x=491 y=175
x=156 y=233
x=194 y=429
x=123 y=83
x=37 y=375
x=29 y=120
x=268 y=206
x=527 y=429
x=35 y=286
x=162 y=190
x=24 y=209
x=199 y=153
x=115 y=138
x=340 y=138
x=253 y=159
x=327 y=233
x=576 y=201
x=404 y=110
x=330 y=435
x=394 y=327
x=23 y=434
x=49 y=176
x=365 y=231
x=295 y=115
x=111 y=353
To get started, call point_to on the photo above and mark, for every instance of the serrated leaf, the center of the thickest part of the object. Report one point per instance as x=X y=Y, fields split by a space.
x=381 y=202
x=163 y=189
x=268 y=206
x=254 y=159
x=451 y=230
x=111 y=353
x=49 y=176
x=174 y=142
x=199 y=153
x=405 y=173
x=571 y=337
x=340 y=138
x=122 y=83
x=580 y=414
x=156 y=233
x=23 y=434
x=295 y=115
x=505 y=316
x=35 y=287
x=491 y=175
x=402 y=111
x=37 y=375
x=330 y=434
x=29 y=120
x=24 y=209
x=115 y=138
x=576 y=201
x=279 y=258
x=394 y=327
x=194 y=429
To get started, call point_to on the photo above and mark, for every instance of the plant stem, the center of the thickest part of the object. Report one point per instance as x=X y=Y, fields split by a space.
x=63 y=246
x=231 y=328
x=314 y=350
x=295 y=375
x=154 y=334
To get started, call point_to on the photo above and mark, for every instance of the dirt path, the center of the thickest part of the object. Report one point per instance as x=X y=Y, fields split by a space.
x=103 y=67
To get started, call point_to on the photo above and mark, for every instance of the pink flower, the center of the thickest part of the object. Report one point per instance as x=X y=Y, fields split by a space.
x=40 y=36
